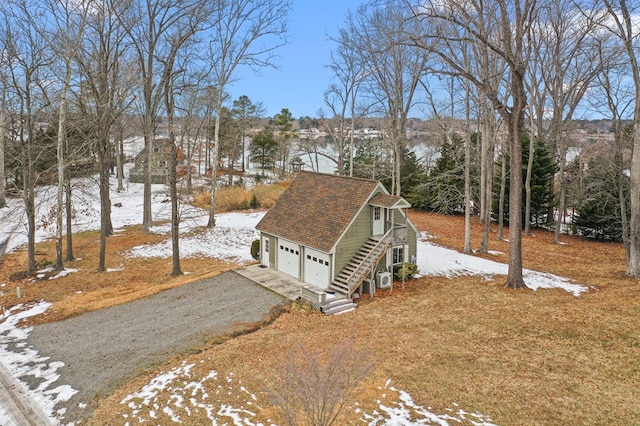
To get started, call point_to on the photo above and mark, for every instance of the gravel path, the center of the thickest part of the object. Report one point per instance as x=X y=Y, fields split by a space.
x=103 y=349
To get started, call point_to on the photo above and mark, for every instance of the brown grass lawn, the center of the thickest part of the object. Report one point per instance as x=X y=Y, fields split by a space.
x=520 y=357
x=88 y=290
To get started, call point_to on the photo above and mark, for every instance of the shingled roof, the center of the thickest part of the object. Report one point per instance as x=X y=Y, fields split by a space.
x=389 y=201
x=317 y=208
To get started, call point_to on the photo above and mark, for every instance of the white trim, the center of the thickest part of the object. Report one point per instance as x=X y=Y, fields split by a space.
x=264 y=250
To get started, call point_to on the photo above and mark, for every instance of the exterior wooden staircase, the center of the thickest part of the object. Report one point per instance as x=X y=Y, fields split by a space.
x=360 y=265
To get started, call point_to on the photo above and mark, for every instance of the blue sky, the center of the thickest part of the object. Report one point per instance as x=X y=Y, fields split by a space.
x=302 y=77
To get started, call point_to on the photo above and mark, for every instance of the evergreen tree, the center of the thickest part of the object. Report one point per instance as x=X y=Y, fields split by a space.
x=542 y=174
x=264 y=148
x=599 y=214
x=442 y=191
x=368 y=161
x=412 y=175
x=284 y=122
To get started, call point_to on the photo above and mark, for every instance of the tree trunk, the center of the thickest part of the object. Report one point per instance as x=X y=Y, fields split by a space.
x=214 y=163
x=487 y=175
x=527 y=187
x=175 y=219
x=482 y=136
x=28 y=179
x=398 y=168
x=149 y=139
x=120 y=160
x=503 y=187
x=617 y=126
x=60 y=192
x=3 y=200
x=105 y=208
x=189 y=165
x=147 y=219
x=515 y=117
x=31 y=227
x=563 y=192
x=69 y=216
x=633 y=267
x=467 y=177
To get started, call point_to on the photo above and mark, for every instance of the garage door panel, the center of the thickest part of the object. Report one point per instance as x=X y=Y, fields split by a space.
x=316 y=268
x=289 y=258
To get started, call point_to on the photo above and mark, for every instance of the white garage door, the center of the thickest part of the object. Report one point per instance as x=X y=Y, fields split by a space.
x=316 y=268
x=289 y=258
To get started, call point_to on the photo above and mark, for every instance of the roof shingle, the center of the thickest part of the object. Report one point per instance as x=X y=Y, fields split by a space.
x=317 y=208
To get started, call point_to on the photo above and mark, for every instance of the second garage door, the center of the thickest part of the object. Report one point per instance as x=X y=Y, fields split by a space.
x=316 y=268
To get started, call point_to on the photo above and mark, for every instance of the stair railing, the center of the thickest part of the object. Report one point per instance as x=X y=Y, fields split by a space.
x=364 y=266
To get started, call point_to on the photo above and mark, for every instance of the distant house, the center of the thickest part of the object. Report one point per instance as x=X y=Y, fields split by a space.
x=159 y=166
x=337 y=234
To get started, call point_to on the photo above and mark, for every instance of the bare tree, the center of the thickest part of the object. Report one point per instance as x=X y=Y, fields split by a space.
x=504 y=28
x=567 y=62
x=488 y=136
x=194 y=111
x=3 y=134
x=64 y=38
x=621 y=21
x=174 y=66
x=342 y=97
x=394 y=69
x=614 y=95
x=28 y=61
x=313 y=391
x=244 y=33
x=169 y=101
x=101 y=59
x=157 y=32
x=537 y=112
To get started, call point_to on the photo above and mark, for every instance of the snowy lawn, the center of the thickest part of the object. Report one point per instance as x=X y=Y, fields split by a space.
x=231 y=239
x=189 y=394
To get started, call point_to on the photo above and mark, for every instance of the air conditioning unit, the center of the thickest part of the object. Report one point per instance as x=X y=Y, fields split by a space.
x=368 y=286
x=384 y=280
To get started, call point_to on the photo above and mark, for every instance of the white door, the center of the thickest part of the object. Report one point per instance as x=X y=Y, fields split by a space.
x=379 y=214
x=316 y=268
x=264 y=255
x=289 y=258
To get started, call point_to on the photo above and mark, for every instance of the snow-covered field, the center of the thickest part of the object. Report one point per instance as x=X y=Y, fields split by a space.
x=232 y=238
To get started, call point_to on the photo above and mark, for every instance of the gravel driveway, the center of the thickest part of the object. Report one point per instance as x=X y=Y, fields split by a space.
x=103 y=349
